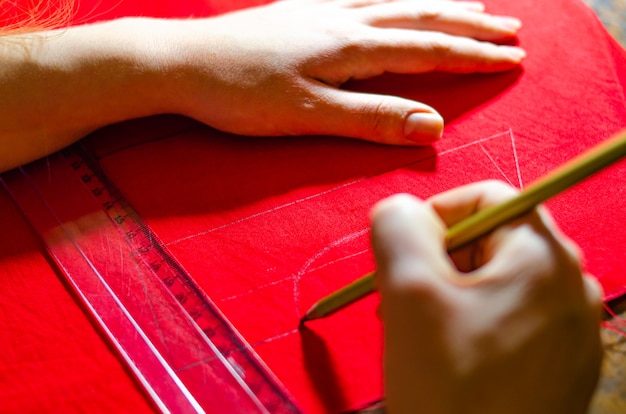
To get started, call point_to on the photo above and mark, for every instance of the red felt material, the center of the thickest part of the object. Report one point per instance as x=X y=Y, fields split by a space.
x=269 y=226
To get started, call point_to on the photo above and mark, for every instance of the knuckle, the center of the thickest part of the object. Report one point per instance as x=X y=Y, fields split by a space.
x=555 y=265
x=498 y=186
x=402 y=205
x=364 y=3
x=379 y=117
x=493 y=192
x=496 y=192
x=441 y=46
x=428 y=12
x=401 y=201
x=379 y=120
x=390 y=216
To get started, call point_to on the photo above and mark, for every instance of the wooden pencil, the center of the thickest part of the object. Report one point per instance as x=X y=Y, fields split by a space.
x=481 y=223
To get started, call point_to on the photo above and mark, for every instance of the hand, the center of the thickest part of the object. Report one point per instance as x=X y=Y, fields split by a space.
x=506 y=325
x=272 y=70
x=276 y=70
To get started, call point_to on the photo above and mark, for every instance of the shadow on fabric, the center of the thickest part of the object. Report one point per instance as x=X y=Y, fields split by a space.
x=319 y=367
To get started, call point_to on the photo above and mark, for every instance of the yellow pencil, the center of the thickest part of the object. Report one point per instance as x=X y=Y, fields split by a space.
x=486 y=220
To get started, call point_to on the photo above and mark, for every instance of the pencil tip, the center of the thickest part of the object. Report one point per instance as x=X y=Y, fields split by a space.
x=312 y=313
x=301 y=324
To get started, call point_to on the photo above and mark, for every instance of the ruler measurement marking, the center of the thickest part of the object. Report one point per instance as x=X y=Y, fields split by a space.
x=215 y=332
x=249 y=377
x=34 y=206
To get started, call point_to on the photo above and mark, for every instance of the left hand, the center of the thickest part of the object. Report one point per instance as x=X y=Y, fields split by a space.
x=271 y=70
x=277 y=69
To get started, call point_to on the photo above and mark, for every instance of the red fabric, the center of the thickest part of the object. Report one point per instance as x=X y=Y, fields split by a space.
x=269 y=226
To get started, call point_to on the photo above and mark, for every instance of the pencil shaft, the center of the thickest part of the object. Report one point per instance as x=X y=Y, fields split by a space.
x=348 y=295
x=486 y=220
x=541 y=190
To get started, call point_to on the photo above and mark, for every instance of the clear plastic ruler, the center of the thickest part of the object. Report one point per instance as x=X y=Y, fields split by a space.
x=180 y=347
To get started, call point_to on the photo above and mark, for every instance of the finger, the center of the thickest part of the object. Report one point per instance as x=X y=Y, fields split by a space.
x=411 y=52
x=355 y=4
x=445 y=17
x=562 y=248
x=416 y=305
x=470 y=5
x=536 y=255
x=455 y=205
x=408 y=243
x=594 y=294
x=476 y=6
x=378 y=118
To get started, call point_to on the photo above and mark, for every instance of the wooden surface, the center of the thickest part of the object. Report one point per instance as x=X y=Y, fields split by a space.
x=613 y=15
x=610 y=396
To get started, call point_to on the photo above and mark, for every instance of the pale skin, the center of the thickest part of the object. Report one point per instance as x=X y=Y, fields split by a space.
x=509 y=324
x=273 y=70
x=451 y=339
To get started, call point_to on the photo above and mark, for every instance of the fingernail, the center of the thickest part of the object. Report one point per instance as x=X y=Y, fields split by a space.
x=516 y=53
x=508 y=23
x=423 y=127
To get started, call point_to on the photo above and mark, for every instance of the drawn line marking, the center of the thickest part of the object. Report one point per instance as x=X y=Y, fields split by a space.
x=261 y=213
x=238 y=349
x=290 y=278
x=298 y=276
x=273 y=338
x=519 y=171
x=306 y=268
x=469 y=144
x=330 y=190
x=350 y=256
x=496 y=165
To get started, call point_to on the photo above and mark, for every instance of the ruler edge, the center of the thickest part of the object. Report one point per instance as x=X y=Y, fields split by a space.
x=88 y=308
x=94 y=317
x=92 y=163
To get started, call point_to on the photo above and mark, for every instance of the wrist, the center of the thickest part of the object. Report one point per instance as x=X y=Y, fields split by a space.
x=122 y=66
x=60 y=85
x=176 y=66
x=101 y=73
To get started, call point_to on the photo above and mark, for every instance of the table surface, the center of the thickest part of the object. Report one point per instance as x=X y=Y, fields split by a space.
x=610 y=397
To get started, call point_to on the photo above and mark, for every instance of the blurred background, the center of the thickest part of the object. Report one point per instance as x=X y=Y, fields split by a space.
x=613 y=15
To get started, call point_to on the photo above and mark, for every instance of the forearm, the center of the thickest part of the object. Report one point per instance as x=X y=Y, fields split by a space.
x=266 y=71
x=58 y=86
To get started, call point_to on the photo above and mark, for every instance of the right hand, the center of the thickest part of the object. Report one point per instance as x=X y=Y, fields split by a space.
x=508 y=324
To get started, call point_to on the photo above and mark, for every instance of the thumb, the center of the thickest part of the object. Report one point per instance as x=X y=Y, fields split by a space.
x=379 y=118
x=409 y=245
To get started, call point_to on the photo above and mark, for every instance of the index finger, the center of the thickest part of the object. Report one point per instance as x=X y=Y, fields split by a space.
x=460 y=203
x=457 y=204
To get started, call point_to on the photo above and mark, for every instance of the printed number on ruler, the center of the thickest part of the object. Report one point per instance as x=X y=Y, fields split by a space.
x=182 y=349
